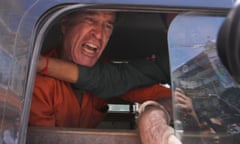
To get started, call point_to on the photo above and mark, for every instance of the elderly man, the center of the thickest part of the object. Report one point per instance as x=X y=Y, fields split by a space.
x=54 y=102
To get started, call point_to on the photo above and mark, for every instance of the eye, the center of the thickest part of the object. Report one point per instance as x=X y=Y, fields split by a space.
x=89 y=20
x=108 y=26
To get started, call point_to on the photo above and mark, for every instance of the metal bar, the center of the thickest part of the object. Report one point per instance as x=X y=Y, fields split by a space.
x=44 y=135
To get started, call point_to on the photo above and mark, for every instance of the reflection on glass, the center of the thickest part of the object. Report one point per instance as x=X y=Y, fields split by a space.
x=206 y=97
x=5 y=68
x=10 y=134
x=18 y=76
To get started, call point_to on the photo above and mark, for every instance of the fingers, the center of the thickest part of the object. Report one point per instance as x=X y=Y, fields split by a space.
x=180 y=93
x=153 y=129
x=181 y=98
x=182 y=106
x=182 y=101
x=179 y=90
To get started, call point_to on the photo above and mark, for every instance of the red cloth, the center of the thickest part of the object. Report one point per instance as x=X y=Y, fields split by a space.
x=153 y=92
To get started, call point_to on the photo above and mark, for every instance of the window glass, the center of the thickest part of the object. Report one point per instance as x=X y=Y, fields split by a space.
x=208 y=102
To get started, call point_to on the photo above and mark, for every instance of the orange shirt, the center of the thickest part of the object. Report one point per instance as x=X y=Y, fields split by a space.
x=54 y=103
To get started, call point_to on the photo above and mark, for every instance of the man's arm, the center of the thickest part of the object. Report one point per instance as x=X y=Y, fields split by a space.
x=58 y=68
x=106 y=79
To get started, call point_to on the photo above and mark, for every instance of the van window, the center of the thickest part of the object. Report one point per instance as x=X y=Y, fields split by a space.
x=209 y=105
x=136 y=35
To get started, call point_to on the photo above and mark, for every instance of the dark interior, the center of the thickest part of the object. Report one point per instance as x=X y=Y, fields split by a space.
x=137 y=35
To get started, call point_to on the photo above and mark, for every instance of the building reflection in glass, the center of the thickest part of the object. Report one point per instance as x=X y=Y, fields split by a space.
x=206 y=98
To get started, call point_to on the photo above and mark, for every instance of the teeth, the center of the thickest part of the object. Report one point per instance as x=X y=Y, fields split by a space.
x=90 y=48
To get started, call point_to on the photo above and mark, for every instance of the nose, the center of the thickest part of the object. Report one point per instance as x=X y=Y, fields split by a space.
x=97 y=31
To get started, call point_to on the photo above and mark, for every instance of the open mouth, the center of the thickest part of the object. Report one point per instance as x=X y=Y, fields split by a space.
x=90 y=48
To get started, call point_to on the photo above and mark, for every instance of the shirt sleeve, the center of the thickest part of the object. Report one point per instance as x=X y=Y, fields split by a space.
x=152 y=92
x=108 y=80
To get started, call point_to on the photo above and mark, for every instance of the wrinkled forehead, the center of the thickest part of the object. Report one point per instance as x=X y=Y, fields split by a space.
x=79 y=14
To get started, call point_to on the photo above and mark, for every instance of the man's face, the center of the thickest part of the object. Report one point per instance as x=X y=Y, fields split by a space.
x=86 y=35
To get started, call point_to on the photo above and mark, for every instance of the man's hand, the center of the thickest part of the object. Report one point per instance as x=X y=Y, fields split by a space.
x=183 y=102
x=153 y=125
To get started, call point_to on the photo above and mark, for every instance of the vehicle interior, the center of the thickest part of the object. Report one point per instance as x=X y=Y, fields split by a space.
x=136 y=35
